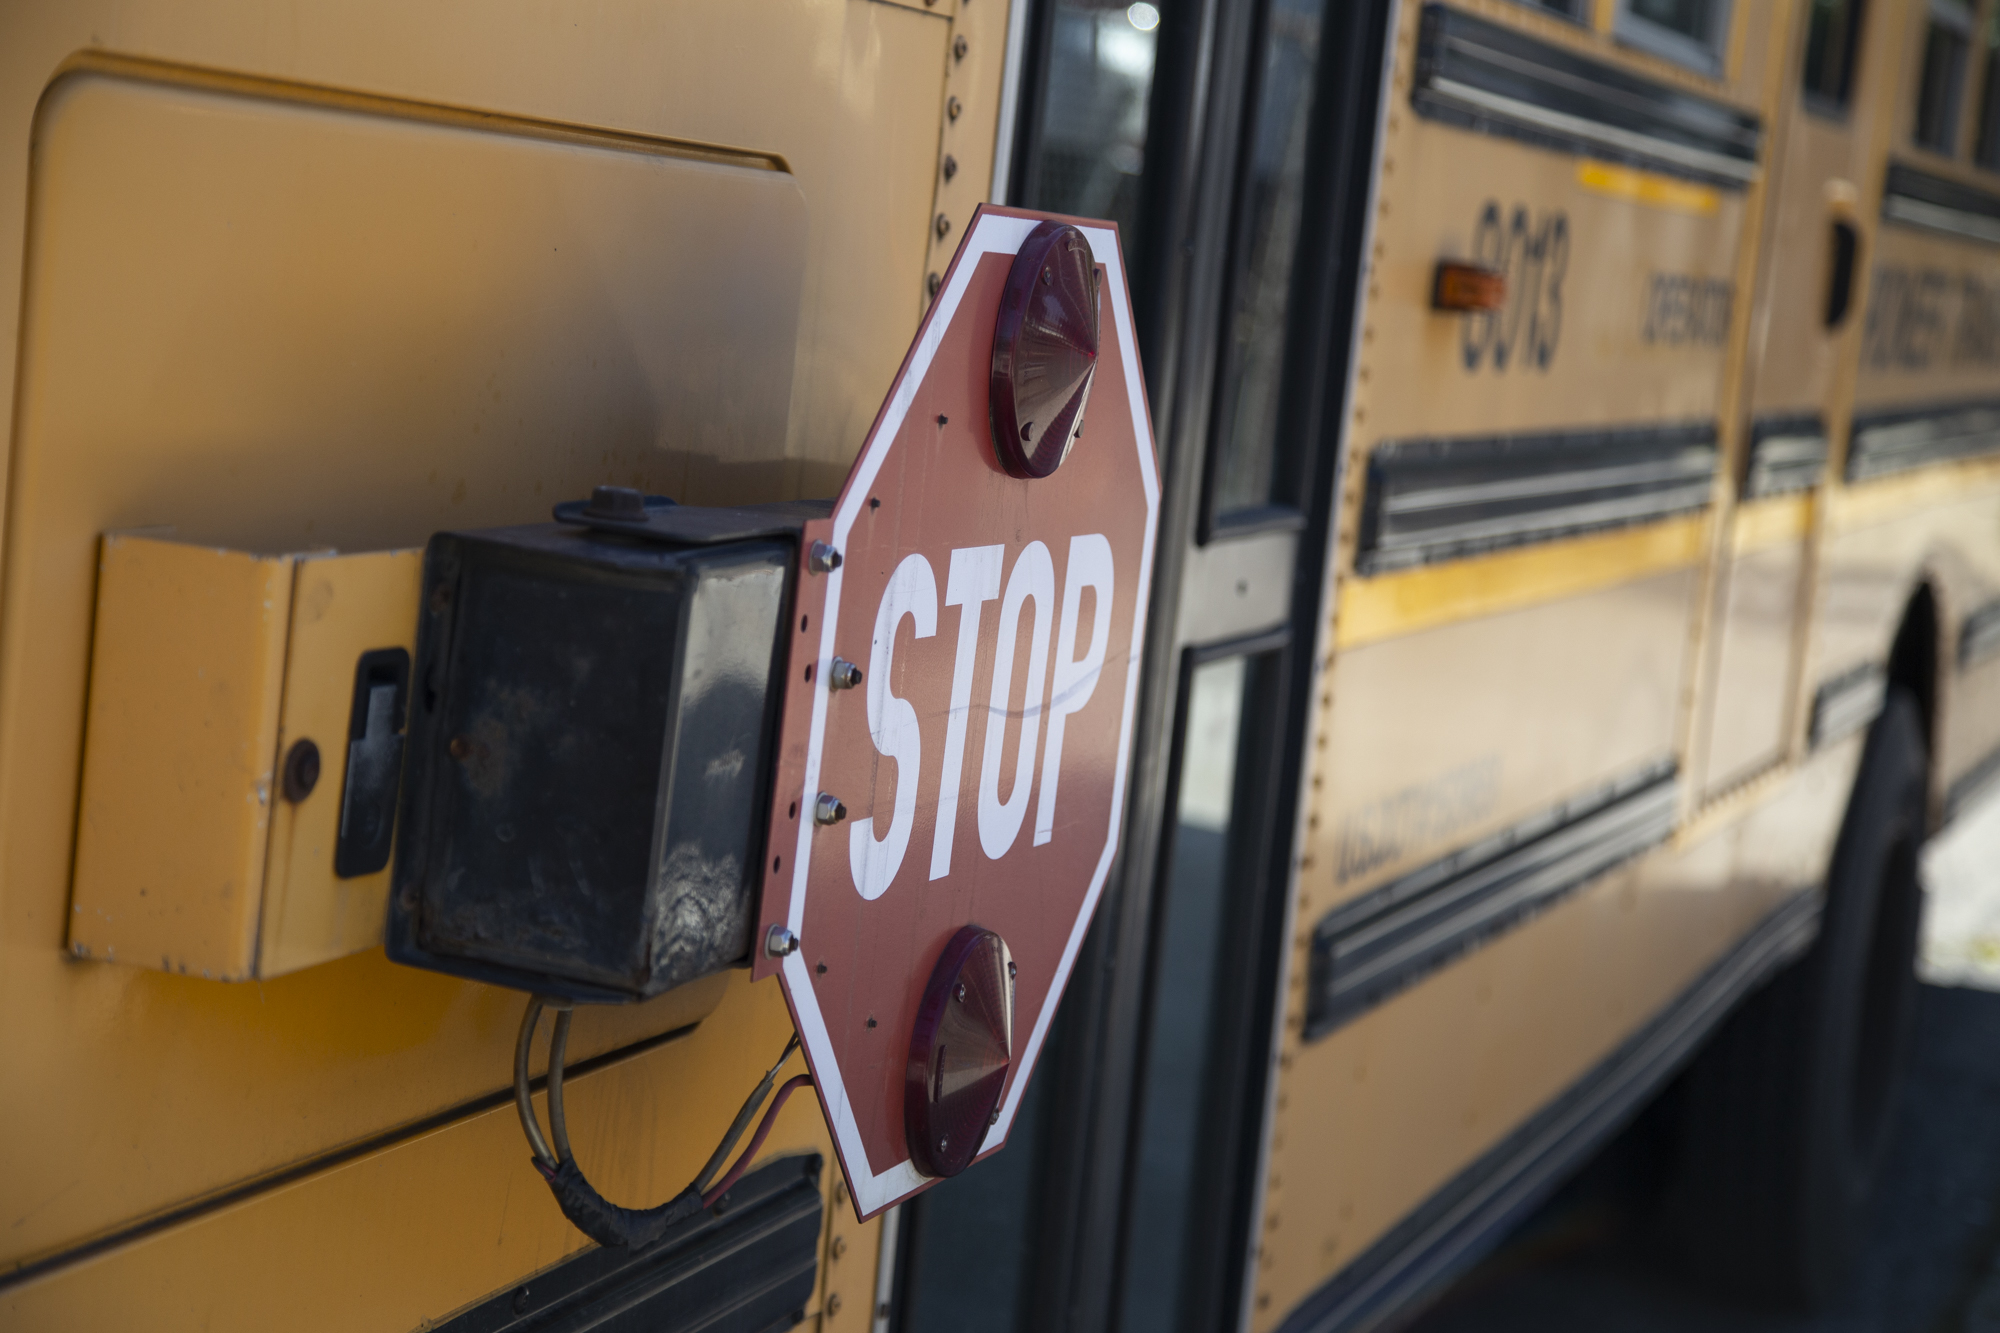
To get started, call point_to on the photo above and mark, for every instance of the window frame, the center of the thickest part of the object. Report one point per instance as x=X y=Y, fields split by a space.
x=1962 y=21
x=1707 y=57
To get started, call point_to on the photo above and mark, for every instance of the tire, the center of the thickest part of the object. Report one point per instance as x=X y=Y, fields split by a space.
x=1785 y=1115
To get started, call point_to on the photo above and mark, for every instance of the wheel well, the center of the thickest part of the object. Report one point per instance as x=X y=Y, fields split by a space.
x=1913 y=658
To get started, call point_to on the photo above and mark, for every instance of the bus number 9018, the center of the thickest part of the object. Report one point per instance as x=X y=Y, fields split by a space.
x=1534 y=254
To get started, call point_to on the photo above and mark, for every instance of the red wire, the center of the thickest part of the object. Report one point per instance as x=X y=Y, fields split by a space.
x=756 y=1140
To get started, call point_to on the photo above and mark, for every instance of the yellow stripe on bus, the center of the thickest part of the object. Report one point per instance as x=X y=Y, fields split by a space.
x=1645 y=187
x=1771 y=522
x=1391 y=604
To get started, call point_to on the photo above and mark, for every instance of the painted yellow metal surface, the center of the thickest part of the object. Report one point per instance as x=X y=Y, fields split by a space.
x=207 y=665
x=1387 y=605
x=346 y=279
x=410 y=1231
x=342 y=606
x=1373 y=1118
x=187 y=678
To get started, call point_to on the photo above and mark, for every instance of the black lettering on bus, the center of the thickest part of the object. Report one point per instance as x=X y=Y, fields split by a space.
x=1534 y=254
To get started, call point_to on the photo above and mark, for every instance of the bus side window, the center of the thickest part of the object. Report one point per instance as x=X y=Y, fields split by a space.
x=1570 y=9
x=1946 y=40
x=1688 y=32
x=1986 y=149
x=1833 y=32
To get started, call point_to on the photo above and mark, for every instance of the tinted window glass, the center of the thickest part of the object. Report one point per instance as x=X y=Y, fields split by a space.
x=1943 y=79
x=1569 y=9
x=1093 y=118
x=1195 y=907
x=1988 y=148
x=1693 y=19
x=1831 y=29
x=1247 y=472
x=1689 y=31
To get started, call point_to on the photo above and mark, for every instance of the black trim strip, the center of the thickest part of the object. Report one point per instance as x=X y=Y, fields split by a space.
x=1884 y=443
x=1936 y=203
x=1459 y=1224
x=1482 y=76
x=1786 y=454
x=1979 y=635
x=1365 y=951
x=1437 y=499
x=231 y=1195
x=746 y=1266
x=1848 y=702
x=1970 y=785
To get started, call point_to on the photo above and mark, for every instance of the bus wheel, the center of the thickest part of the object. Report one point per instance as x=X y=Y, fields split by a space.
x=1786 y=1113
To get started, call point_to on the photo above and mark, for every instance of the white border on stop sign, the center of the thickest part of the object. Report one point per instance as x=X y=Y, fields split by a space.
x=992 y=233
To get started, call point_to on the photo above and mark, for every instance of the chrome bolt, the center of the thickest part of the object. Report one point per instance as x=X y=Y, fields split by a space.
x=828 y=809
x=842 y=675
x=822 y=559
x=780 y=943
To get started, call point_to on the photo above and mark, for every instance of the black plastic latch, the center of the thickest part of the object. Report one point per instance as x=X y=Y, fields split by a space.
x=374 y=762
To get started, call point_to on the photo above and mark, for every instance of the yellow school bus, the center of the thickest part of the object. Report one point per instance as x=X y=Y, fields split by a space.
x=1577 y=598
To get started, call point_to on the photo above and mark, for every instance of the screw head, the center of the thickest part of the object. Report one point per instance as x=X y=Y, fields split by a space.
x=950 y=164
x=953 y=108
x=959 y=47
x=943 y=225
x=932 y=283
x=301 y=773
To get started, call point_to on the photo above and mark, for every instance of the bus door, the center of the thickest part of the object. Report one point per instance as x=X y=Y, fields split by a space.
x=1827 y=133
x=1230 y=143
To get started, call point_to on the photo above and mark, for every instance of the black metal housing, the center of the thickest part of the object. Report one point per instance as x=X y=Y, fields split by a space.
x=589 y=747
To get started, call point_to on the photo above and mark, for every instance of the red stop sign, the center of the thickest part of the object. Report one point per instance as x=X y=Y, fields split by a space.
x=997 y=623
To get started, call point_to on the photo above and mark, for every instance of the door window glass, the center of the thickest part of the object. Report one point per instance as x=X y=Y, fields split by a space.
x=1194 y=914
x=1093 y=116
x=1691 y=32
x=1248 y=474
x=1943 y=82
x=1832 y=27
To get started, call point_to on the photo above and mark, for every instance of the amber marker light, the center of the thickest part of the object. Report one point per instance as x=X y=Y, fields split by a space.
x=1044 y=350
x=960 y=1051
x=1468 y=287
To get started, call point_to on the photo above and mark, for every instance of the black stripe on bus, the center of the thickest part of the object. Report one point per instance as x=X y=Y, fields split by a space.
x=1435 y=499
x=1786 y=454
x=1979 y=635
x=1365 y=951
x=1884 y=443
x=1936 y=203
x=1478 y=1208
x=1848 y=702
x=748 y=1265
x=1482 y=76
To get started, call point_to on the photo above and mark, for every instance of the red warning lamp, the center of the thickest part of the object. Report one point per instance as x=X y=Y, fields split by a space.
x=1044 y=350
x=960 y=1051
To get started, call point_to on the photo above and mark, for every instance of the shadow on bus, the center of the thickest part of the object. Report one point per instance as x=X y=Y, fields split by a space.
x=1595 y=1256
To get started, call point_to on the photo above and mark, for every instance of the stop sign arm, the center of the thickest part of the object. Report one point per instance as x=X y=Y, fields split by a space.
x=776 y=933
